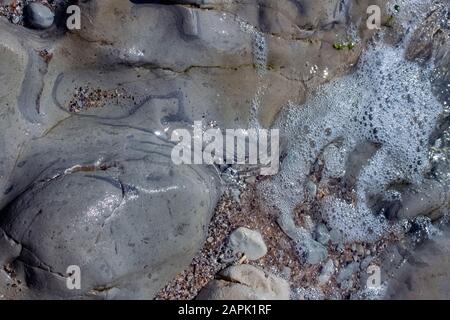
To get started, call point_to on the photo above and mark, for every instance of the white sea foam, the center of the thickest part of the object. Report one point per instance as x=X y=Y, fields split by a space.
x=386 y=102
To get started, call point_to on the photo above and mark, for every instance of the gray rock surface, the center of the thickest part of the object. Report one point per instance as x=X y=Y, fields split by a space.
x=347 y=272
x=322 y=234
x=85 y=174
x=314 y=251
x=245 y=282
x=309 y=250
x=109 y=202
x=248 y=242
x=39 y=16
x=95 y=186
x=428 y=199
x=327 y=271
x=425 y=274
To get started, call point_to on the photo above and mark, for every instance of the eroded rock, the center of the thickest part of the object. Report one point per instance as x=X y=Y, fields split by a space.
x=246 y=282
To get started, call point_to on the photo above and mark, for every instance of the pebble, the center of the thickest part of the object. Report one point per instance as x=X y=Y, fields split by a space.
x=336 y=237
x=326 y=273
x=315 y=252
x=311 y=187
x=366 y=262
x=245 y=282
x=347 y=272
x=322 y=234
x=309 y=223
x=39 y=16
x=360 y=249
x=248 y=242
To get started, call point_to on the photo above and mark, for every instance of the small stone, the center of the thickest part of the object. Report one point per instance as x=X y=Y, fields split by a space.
x=360 y=249
x=210 y=239
x=250 y=180
x=313 y=251
x=326 y=273
x=308 y=223
x=248 y=242
x=311 y=188
x=336 y=237
x=366 y=262
x=39 y=16
x=322 y=234
x=347 y=272
x=334 y=159
x=347 y=284
x=286 y=272
x=246 y=282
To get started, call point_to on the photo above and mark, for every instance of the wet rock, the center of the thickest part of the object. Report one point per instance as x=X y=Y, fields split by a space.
x=311 y=188
x=365 y=263
x=426 y=199
x=392 y=258
x=428 y=36
x=38 y=15
x=322 y=234
x=126 y=231
x=327 y=271
x=90 y=183
x=425 y=275
x=238 y=49
x=245 y=282
x=308 y=223
x=308 y=249
x=248 y=242
x=347 y=272
x=313 y=251
x=102 y=193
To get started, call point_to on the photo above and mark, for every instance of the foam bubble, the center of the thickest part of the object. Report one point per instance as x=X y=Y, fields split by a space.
x=386 y=102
